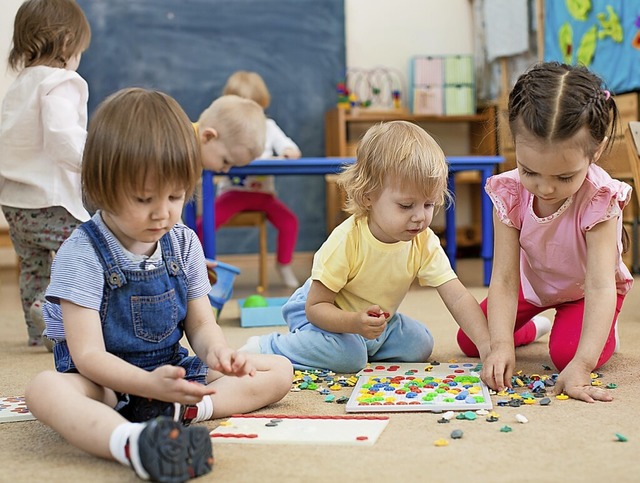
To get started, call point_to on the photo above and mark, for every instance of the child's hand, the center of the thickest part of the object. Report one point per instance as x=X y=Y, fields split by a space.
x=232 y=363
x=575 y=382
x=373 y=322
x=168 y=384
x=291 y=153
x=498 y=367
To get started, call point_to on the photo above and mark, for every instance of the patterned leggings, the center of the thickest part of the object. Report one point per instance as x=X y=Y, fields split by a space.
x=36 y=234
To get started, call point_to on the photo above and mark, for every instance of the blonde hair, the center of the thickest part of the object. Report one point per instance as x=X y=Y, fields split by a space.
x=401 y=152
x=134 y=133
x=248 y=85
x=48 y=32
x=238 y=121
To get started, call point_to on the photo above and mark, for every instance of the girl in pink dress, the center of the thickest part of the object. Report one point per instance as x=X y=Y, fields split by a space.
x=558 y=232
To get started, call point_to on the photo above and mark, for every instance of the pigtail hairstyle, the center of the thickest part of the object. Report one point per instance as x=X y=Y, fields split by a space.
x=554 y=101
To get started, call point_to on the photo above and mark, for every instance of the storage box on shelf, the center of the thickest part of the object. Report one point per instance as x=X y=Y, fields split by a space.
x=344 y=128
x=442 y=85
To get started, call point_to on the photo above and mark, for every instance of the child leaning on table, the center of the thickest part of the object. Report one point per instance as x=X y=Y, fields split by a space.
x=231 y=132
x=345 y=314
x=558 y=231
x=44 y=127
x=249 y=193
x=125 y=287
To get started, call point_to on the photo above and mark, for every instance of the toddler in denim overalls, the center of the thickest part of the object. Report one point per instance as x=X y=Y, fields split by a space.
x=125 y=287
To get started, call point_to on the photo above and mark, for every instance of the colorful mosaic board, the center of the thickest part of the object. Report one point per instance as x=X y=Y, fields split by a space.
x=281 y=429
x=394 y=387
x=14 y=408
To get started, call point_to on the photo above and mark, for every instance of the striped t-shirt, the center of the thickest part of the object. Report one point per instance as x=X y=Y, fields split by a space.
x=77 y=274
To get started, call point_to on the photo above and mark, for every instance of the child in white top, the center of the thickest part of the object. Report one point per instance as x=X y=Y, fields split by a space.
x=257 y=193
x=44 y=122
x=125 y=287
x=346 y=314
x=558 y=231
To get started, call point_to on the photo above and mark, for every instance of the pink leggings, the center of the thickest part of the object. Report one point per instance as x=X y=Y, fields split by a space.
x=565 y=331
x=282 y=218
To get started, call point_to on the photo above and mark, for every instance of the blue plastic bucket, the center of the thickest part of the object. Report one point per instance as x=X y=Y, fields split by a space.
x=222 y=290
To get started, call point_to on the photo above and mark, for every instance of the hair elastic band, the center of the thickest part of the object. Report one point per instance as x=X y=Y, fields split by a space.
x=607 y=95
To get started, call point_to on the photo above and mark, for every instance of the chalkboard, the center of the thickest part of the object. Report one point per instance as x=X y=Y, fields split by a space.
x=188 y=49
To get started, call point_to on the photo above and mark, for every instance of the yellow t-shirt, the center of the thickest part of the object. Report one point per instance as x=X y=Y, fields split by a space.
x=364 y=271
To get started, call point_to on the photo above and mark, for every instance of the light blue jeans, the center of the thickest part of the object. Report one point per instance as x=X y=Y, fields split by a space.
x=308 y=347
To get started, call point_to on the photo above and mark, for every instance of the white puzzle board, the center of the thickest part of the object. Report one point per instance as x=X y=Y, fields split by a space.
x=395 y=387
x=274 y=429
x=14 y=408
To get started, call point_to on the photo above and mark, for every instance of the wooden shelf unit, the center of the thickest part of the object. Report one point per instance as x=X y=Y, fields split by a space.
x=340 y=142
x=343 y=130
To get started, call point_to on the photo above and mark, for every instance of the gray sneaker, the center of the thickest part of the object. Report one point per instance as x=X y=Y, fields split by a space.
x=166 y=451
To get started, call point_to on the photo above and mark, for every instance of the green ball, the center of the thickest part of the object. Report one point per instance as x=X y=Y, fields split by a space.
x=253 y=301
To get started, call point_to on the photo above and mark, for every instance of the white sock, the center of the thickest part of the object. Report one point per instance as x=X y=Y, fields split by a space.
x=287 y=275
x=126 y=432
x=252 y=345
x=205 y=410
x=543 y=325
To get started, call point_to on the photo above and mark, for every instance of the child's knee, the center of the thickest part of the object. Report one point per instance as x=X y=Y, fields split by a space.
x=421 y=343
x=466 y=345
x=283 y=370
x=350 y=360
x=39 y=389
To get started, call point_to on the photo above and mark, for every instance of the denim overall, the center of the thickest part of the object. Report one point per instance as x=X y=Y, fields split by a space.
x=142 y=312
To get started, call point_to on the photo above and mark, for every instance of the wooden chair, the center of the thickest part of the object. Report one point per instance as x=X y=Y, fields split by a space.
x=256 y=219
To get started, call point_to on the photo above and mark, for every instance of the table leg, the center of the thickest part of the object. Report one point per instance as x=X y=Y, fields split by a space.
x=487 y=228
x=208 y=215
x=450 y=224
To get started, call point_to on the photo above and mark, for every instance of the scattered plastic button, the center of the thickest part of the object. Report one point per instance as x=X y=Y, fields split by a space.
x=562 y=396
x=441 y=442
x=611 y=385
x=521 y=418
x=506 y=429
x=448 y=415
x=621 y=438
x=545 y=401
x=456 y=434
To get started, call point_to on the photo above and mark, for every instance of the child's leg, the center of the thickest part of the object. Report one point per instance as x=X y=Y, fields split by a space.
x=35 y=234
x=286 y=222
x=404 y=339
x=76 y=408
x=312 y=348
x=232 y=202
x=82 y=413
x=270 y=384
x=524 y=329
x=566 y=331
